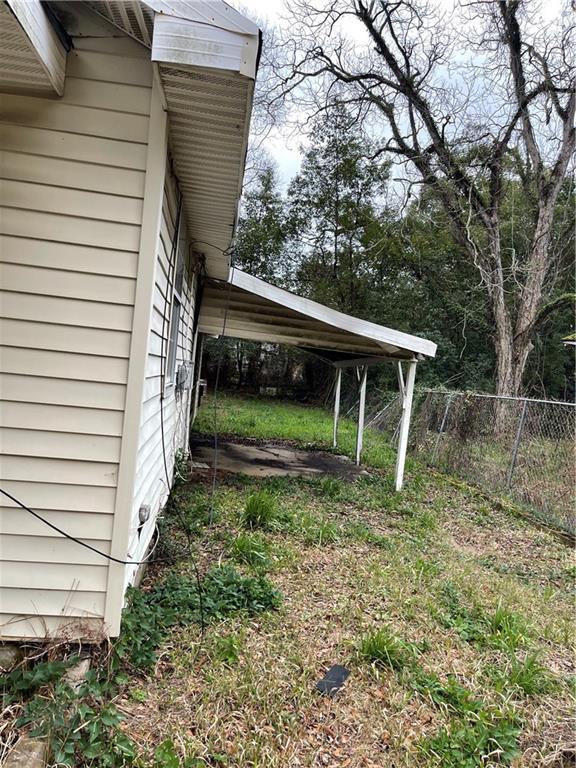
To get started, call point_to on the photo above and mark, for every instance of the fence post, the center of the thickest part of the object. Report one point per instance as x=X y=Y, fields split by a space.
x=516 y=445
x=442 y=425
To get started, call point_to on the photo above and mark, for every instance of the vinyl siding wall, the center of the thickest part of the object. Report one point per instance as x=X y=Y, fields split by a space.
x=73 y=172
x=168 y=417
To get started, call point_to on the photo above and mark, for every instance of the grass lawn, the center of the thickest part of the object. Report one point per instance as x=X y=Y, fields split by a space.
x=454 y=619
x=303 y=426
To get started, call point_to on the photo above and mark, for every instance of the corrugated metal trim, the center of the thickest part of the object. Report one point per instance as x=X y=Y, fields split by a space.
x=249 y=316
x=181 y=41
x=209 y=114
x=208 y=83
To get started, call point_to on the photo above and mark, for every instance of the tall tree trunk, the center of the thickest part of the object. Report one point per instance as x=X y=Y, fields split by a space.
x=513 y=342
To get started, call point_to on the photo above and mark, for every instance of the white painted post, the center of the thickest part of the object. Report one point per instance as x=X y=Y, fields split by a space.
x=361 y=408
x=405 y=423
x=197 y=372
x=336 y=406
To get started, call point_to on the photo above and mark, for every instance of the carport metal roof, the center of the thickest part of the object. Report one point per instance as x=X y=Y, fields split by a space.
x=246 y=307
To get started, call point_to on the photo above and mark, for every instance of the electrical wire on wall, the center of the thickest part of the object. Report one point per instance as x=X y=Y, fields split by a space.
x=170 y=277
x=215 y=396
x=185 y=528
x=73 y=538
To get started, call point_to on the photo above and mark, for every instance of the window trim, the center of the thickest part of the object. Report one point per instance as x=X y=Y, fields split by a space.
x=176 y=304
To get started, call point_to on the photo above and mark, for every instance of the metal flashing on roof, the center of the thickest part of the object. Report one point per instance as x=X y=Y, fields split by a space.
x=207 y=57
x=181 y=41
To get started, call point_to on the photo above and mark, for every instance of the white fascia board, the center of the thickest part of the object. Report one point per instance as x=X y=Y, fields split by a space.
x=378 y=333
x=213 y=12
x=192 y=43
x=49 y=50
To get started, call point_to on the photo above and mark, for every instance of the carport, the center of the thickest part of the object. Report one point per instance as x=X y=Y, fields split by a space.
x=246 y=307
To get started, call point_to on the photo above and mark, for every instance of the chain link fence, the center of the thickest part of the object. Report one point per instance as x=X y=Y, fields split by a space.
x=521 y=448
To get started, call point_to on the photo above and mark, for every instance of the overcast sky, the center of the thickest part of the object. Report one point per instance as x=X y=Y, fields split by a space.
x=285 y=150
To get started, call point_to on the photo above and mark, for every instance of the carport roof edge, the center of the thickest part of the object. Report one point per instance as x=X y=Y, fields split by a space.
x=350 y=330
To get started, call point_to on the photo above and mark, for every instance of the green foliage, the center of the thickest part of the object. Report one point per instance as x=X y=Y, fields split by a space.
x=224 y=592
x=467 y=743
x=251 y=549
x=260 y=511
x=84 y=730
x=261 y=235
x=526 y=675
x=166 y=756
x=450 y=695
x=502 y=629
x=25 y=681
x=313 y=529
x=331 y=487
x=143 y=628
x=383 y=648
x=80 y=731
x=180 y=468
x=362 y=532
x=506 y=630
x=226 y=649
x=475 y=731
x=332 y=205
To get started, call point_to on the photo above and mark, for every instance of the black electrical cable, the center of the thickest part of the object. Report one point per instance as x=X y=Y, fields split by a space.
x=216 y=385
x=170 y=279
x=118 y=560
x=69 y=536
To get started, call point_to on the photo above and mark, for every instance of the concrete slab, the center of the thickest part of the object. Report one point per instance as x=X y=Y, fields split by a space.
x=270 y=460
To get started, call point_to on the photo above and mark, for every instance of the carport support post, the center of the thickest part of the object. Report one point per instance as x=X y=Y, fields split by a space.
x=362 y=375
x=197 y=374
x=336 y=406
x=407 y=393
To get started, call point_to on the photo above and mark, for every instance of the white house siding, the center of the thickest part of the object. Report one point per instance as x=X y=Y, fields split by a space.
x=72 y=173
x=171 y=414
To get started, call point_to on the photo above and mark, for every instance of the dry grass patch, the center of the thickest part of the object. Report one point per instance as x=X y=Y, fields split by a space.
x=246 y=696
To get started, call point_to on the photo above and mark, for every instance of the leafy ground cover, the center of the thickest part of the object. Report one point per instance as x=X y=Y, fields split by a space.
x=454 y=618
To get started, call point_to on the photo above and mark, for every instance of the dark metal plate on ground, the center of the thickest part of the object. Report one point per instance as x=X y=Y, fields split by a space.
x=332 y=680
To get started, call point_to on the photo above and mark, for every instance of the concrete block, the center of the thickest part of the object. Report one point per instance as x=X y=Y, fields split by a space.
x=28 y=753
x=10 y=655
x=76 y=675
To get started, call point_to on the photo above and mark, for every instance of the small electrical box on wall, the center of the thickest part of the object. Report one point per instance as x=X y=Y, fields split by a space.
x=184 y=377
